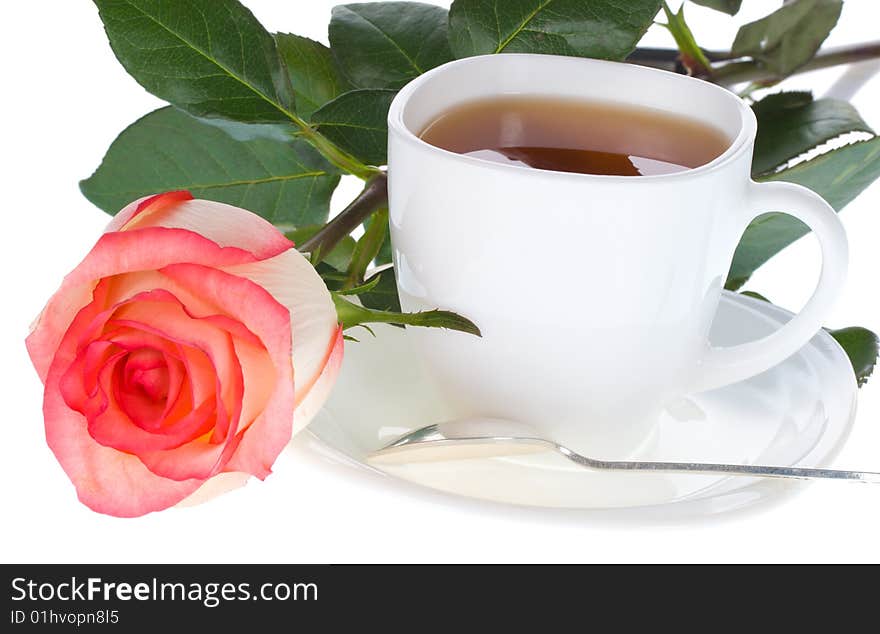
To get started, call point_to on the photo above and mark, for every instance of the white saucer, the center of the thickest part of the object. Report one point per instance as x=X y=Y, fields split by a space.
x=798 y=413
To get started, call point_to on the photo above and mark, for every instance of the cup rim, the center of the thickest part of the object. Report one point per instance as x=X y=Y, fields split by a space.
x=738 y=145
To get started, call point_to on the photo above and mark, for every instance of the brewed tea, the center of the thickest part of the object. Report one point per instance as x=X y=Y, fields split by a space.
x=566 y=135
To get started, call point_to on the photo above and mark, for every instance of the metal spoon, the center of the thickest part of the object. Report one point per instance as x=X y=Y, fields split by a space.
x=484 y=438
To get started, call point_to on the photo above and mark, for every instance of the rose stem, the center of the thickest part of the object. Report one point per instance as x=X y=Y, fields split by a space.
x=738 y=72
x=749 y=71
x=372 y=197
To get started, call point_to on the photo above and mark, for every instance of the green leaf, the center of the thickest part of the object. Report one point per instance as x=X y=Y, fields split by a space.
x=367 y=247
x=838 y=176
x=351 y=315
x=692 y=56
x=382 y=296
x=211 y=58
x=333 y=278
x=755 y=295
x=384 y=254
x=357 y=121
x=791 y=123
x=386 y=44
x=861 y=346
x=257 y=167
x=312 y=72
x=604 y=29
x=339 y=258
x=730 y=7
x=363 y=288
x=788 y=37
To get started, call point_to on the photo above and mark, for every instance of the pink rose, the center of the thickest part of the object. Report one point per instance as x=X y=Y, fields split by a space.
x=192 y=340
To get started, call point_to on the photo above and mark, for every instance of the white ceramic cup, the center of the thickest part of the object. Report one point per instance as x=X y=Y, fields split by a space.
x=594 y=294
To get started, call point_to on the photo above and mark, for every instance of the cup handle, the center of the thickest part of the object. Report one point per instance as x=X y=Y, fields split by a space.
x=723 y=366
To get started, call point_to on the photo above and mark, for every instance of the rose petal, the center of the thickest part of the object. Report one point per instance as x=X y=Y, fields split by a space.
x=293 y=281
x=260 y=313
x=255 y=307
x=142 y=386
x=79 y=383
x=193 y=459
x=123 y=287
x=218 y=485
x=315 y=397
x=146 y=371
x=147 y=206
x=192 y=378
x=106 y=480
x=224 y=224
x=160 y=313
x=259 y=382
x=124 y=421
x=115 y=427
x=114 y=254
x=177 y=379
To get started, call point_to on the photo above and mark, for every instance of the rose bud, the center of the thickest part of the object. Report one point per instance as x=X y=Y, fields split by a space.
x=193 y=340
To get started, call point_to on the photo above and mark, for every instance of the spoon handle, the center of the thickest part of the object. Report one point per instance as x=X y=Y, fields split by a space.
x=761 y=471
x=460 y=439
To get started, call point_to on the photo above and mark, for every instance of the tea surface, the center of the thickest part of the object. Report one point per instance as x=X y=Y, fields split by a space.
x=566 y=135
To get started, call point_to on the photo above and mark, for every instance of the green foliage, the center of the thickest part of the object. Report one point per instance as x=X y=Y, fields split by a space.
x=730 y=7
x=604 y=29
x=791 y=123
x=838 y=176
x=862 y=347
x=211 y=58
x=790 y=36
x=367 y=248
x=312 y=71
x=258 y=167
x=383 y=294
x=384 y=254
x=357 y=122
x=352 y=314
x=691 y=54
x=386 y=44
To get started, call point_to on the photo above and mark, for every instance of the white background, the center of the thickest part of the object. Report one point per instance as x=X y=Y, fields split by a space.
x=65 y=98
